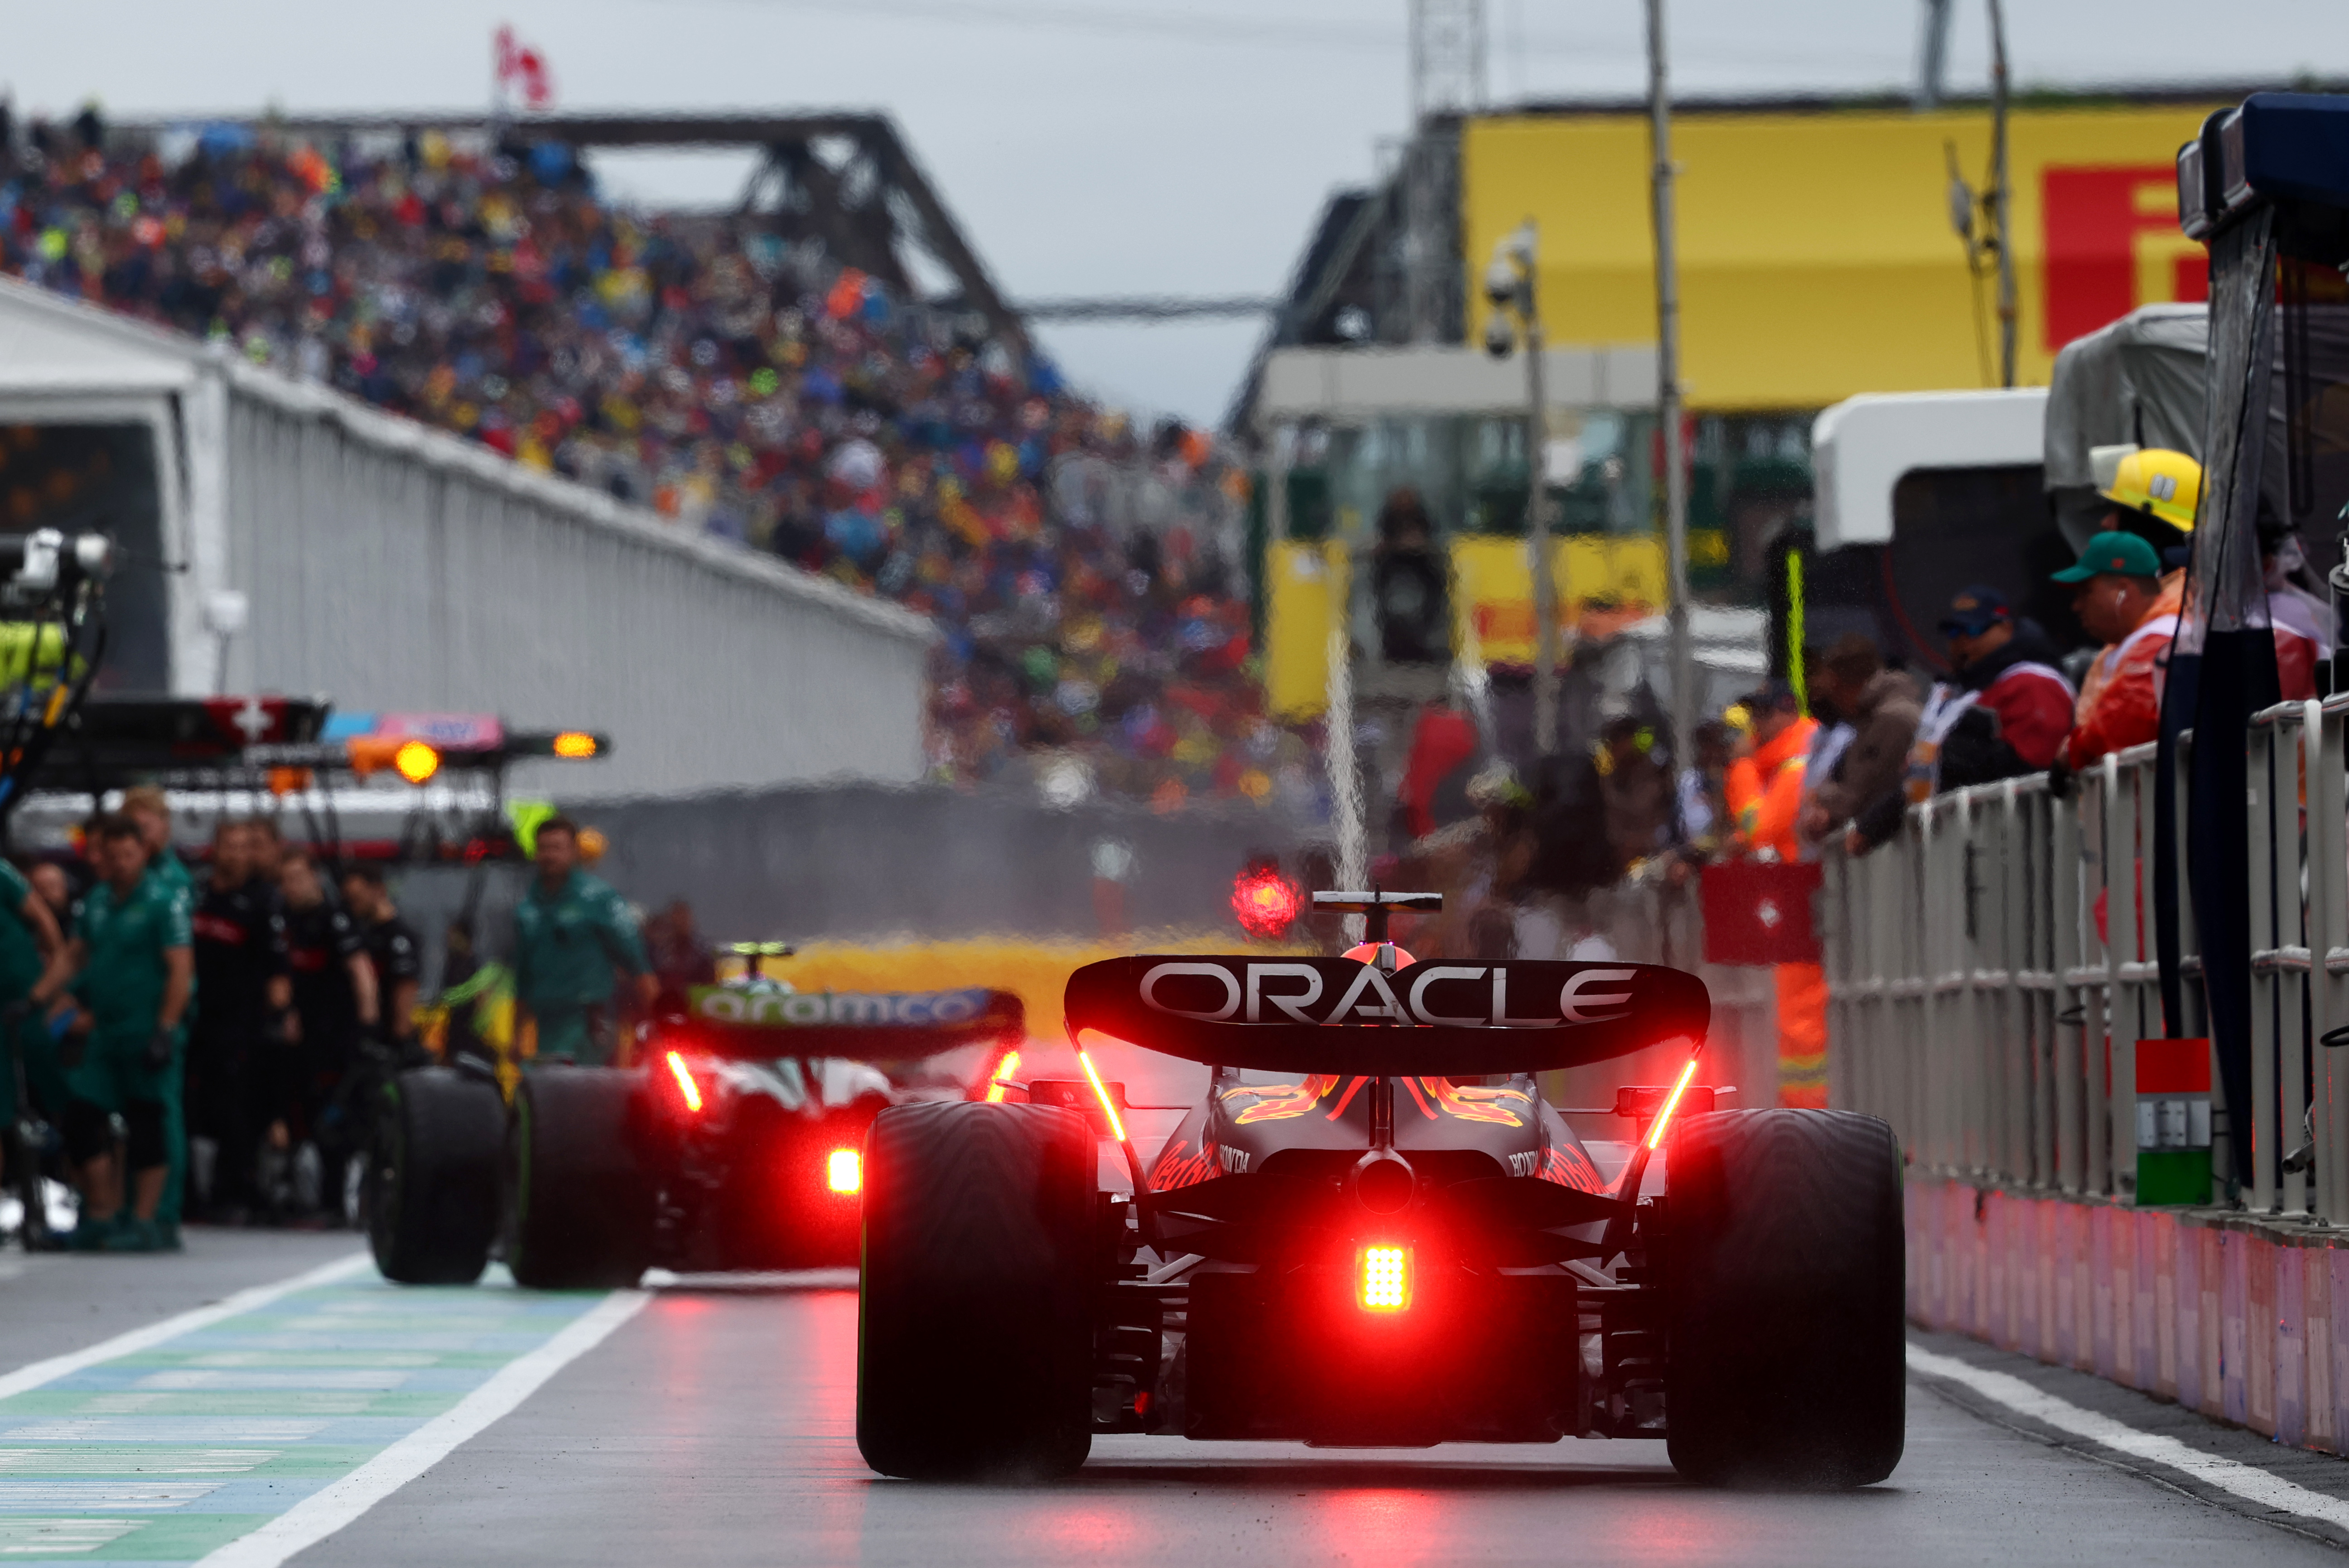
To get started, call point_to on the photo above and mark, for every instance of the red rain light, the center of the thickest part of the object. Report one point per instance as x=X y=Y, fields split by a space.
x=843 y=1172
x=1385 y=1279
x=1100 y=1093
x=1267 y=903
x=1005 y=1066
x=1672 y=1103
x=685 y=1087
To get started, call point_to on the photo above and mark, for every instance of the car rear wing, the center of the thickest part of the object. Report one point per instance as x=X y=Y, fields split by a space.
x=762 y=1023
x=1442 y=1018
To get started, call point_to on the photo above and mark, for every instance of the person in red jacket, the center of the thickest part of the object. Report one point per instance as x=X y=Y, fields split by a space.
x=2008 y=670
x=2116 y=592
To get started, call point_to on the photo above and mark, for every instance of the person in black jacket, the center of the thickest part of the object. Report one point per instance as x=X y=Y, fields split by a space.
x=241 y=991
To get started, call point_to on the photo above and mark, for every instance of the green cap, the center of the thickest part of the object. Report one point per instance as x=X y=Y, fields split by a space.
x=2114 y=554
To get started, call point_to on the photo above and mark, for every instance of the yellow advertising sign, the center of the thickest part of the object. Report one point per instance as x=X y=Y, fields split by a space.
x=1492 y=595
x=1817 y=258
x=1305 y=591
x=1492 y=588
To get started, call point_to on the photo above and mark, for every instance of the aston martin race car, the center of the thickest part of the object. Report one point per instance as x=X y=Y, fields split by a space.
x=1376 y=1230
x=734 y=1141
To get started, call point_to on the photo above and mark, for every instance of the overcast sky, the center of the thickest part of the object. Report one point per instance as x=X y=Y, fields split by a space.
x=1095 y=146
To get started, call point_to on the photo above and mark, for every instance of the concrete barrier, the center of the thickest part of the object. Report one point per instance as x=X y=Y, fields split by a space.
x=2243 y=1319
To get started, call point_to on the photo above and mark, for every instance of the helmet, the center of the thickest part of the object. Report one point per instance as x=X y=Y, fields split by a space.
x=2168 y=484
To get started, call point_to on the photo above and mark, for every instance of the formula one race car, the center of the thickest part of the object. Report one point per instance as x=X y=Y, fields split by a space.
x=1376 y=1231
x=735 y=1141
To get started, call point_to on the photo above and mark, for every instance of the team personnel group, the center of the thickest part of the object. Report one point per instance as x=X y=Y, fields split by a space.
x=206 y=1052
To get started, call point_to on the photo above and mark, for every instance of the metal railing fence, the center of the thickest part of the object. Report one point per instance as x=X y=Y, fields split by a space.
x=1991 y=971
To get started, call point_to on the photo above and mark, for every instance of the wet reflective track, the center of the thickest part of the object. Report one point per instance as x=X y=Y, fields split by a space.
x=712 y=1422
x=200 y=1407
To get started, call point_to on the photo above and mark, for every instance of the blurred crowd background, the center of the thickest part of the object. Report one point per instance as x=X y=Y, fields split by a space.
x=744 y=389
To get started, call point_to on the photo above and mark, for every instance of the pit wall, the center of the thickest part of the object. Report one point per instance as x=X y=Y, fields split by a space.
x=2245 y=1320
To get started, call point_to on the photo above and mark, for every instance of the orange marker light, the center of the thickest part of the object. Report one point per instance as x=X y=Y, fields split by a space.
x=415 y=761
x=576 y=745
x=844 y=1171
x=1672 y=1103
x=996 y=1088
x=1100 y=1093
x=684 y=1084
x=1386 y=1279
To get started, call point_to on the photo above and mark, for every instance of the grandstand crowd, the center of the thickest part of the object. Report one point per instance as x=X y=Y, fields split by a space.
x=739 y=385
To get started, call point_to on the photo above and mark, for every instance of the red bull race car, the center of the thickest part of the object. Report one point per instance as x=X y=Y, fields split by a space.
x=1376 y=1230
x=735 y=1140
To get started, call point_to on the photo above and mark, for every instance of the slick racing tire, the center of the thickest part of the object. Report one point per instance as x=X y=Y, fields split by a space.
x=579 y=1206
x=432 y=1176
x=975 y=1342
x=1783 y=1258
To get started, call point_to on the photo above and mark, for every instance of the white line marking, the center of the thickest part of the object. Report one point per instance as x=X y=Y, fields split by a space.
x=323 y=1513
x=155 y=1333
x=2246 y=1481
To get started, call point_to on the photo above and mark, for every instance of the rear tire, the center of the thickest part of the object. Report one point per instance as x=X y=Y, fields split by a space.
x=1783 y=1259
x=975 y=1342
x=432 y=1176
x=580 y=1207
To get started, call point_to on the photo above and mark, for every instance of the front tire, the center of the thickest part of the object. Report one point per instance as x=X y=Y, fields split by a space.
x=432 y=1176
x=974 y=1306
x=1783 y=1260
x=580 y=1206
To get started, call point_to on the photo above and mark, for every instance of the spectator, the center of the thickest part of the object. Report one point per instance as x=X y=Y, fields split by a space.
x=393 y=953
x=1441 y=760
x=45 y=1072
x=740 y=383
x=1410 y=580
x=1764 y=786
x=147 y=806
x=241 y=986
x=1880 y=705
x=32 y=969
x=1777 y=772
x=311 y=1134
x=2302 y=619
x=1701 y=797
x=2006 y=711
x=1635 y=791
x=2117 y=594
x=134 y=974
x=573 y=939
x=679 y=954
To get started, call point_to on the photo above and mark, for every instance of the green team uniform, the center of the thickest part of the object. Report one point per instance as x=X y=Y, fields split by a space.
x=20 y=967
x=167 y=867
x=566 y=945
x=121 y=984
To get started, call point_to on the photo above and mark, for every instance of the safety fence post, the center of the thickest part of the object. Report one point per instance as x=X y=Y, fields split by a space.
x=1996 y=1011
x=1944 y=966
x=2073 y=932
x=1964 y=1003
x=2128 y=881
x=1908 y=999
x=2103 y=997
x=2328 y=945
x=2260 y=852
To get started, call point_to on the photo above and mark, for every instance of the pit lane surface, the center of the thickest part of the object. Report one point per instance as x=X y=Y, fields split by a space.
x=715 y=1425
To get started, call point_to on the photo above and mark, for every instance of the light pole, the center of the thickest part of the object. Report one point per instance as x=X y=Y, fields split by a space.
x=1668 y=392
x=2003 y=193
x=1516 y=314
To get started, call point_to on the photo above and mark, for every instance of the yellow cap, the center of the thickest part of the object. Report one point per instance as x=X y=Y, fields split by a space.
x=2153 y=479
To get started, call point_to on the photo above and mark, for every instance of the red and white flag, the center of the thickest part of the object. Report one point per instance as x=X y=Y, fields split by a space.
x=521 y=73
